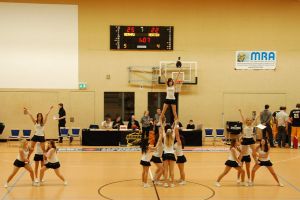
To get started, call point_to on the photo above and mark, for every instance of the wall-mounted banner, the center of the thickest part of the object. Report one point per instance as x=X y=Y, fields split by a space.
x=255 y=59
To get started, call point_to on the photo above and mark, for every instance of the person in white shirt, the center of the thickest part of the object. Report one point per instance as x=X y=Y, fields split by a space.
x=52 y=162
x=248 y=135
x=38 y=159
x=170 y=98
x=282 y=119
x=263 y=150
x=39 y=125
x=107 y=123
x=21 y=161
x=232 y=162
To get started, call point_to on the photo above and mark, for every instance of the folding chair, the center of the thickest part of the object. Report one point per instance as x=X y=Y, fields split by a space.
x=76 y=133
x=209 y=135
x=220 y=135
x=15 y=135
x=26 y=134
x=64 y=133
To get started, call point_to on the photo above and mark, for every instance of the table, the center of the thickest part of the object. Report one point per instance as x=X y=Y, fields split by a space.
x=192 y=137
x=114 y=137
x=101 y=137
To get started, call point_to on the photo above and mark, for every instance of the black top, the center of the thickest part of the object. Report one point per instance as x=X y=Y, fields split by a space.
x=116 y=125
x=190 y=126
x=295 y=115
x=62 y=113
x=135 y=122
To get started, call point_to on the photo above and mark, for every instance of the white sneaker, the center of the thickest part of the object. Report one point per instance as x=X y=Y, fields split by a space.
x=36 y=180
x=182 y=183
x=166 y=185
x=65 y=183
x=238 y=181
x=280 y=184
x=217 y=184
x=244 y=184
x=146 y=185
x=172 y=185
x=5 y=185
x=158 y=183
x=250 y=183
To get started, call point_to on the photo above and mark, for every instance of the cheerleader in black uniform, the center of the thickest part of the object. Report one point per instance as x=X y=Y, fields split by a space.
x=145 y=161
x=38 y=159
x=263 y=150
x=21 y=161
x=246 y=158
x=180 y=157
x=169 y=155
x=52 y=162
x=156 y=157
x=232 y=162
x=247 y=136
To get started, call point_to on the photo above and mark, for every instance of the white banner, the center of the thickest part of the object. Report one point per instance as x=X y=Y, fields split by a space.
x=255 y=59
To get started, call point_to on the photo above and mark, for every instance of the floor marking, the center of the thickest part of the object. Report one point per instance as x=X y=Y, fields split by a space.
x=106 y=197
x=10 y=188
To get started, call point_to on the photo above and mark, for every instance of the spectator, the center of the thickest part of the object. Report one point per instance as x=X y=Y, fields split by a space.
x=156 y=122
x=282 y=121
x=146 y=122
x=190 y=125
x=118 y=122
x=133 y=124
x=265 y=119
x=107 y=123
x=295 y=120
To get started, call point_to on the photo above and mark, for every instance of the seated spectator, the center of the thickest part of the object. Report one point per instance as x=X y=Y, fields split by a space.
x=133 y=124
x=107 y=123
x=190 y=125
x=118 y=122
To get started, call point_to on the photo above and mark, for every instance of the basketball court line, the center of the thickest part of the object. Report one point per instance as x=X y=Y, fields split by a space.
x=158 y=197
x=9 y=189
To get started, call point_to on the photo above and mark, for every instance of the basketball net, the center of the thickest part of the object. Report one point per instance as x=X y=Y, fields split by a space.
x=178 y=85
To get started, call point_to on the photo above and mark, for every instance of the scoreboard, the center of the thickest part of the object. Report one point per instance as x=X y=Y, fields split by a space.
x=141 y=37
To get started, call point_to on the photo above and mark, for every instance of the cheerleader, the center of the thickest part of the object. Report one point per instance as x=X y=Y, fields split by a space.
x=170 y=98
x=247 y=135
x=180 y=157
x=263 y=150
x=158 y=151
x=145 y=161
x=38 y=159
x=39 y=124
x=52 y=162
x=21 y=161
x=246 y=158
x=232 y=162
x=169 y=155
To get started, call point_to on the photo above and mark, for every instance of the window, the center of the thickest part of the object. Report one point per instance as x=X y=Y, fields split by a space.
x=119 y=103
x=156 y=100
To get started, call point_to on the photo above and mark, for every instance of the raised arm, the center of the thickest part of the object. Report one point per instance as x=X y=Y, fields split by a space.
x=46 y=116
x=177 y=135
x=242 y=116
x=255 y=121
x=175 y=81
x=26 y=111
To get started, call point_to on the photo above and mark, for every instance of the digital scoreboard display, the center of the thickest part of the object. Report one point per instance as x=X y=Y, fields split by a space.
x=141 y=37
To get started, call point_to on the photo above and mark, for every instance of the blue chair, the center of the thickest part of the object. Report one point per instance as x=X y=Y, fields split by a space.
x=64 y=132
x=209 y=135
x=220 y=135
x=26 y=134
x=76 y=133
x=15 y=135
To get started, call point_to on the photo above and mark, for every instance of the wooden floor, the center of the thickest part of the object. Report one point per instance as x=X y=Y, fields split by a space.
x=116 y=175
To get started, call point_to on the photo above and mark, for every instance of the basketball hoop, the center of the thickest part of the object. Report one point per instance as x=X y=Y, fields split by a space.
x=178 y=84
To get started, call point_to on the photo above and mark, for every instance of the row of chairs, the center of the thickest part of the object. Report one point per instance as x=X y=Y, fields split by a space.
x=214 y=138
x=74 y=132
x=26 y=133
